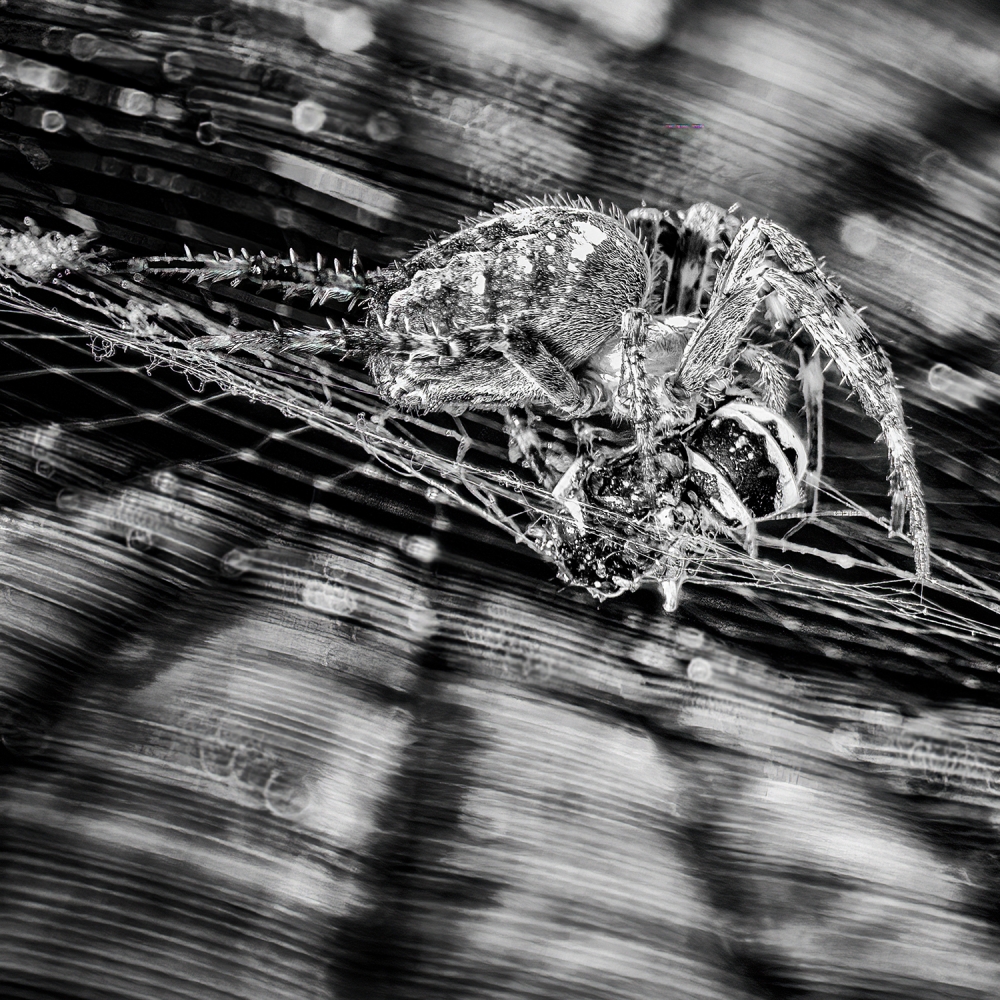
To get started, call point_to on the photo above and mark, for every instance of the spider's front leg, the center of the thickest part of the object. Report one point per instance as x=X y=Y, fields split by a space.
x=707 y=364
x=839 y=332
x=635 y=400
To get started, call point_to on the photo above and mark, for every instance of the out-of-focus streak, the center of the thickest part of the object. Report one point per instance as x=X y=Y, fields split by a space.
x=265 y=774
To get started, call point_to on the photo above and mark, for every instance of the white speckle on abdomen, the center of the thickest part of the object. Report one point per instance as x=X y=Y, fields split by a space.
x=585 y=240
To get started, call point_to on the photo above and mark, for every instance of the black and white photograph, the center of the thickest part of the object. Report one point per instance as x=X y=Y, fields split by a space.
x=499 y=499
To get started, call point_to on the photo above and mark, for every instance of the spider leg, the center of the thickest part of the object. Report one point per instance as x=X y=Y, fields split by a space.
x=772 y=379
x=747 y=260
x=464 y=383
x=666 y=338
x=746 y=255
x=350 y=340
x=708 y=359
x=634 y=398
x=294 y=275
x=839 y=332
x=812 y=381
x=791 y=251
x=560 y=390
x=797 y=290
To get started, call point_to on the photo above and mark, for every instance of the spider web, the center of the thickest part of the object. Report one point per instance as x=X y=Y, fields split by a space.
x=839 y=566
x=220 y=165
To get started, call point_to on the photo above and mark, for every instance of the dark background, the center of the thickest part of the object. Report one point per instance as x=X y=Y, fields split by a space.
x=264 y=736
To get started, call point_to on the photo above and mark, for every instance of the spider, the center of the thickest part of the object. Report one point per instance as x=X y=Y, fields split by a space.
x=557 y=306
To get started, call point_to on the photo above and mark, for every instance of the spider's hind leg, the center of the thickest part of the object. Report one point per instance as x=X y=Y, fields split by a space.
x=840 y=333
x=812 y=381
x=564 y=393
x=349 y=340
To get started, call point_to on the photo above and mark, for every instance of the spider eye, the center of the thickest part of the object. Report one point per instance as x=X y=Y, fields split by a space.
x=645 y=223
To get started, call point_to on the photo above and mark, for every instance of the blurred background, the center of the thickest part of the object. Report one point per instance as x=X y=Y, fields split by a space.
x=279 y=721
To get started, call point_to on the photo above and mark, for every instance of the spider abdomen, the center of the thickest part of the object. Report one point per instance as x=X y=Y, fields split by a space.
x=565 y=273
